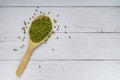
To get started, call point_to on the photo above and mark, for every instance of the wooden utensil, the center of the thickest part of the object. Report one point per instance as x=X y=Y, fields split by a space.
x=31 y=46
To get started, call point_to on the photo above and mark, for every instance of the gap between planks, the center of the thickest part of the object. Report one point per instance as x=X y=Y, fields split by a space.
x=60 y=6
x=65 y=60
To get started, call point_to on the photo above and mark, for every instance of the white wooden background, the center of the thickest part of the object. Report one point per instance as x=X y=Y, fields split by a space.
x=92 y=53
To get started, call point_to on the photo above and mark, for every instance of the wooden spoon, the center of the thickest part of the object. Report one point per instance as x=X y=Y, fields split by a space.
x=32 y=45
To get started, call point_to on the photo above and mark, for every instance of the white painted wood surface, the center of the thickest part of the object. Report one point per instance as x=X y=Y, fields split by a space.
x=91 y=53
x=80 y=19
x=60 y=3
x=65 y=70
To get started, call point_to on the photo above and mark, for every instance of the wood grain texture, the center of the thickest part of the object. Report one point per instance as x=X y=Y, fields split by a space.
x=92 y=52
x=59 y=3
x=93 y=36
x=66 y=70
x=97 y=19
x=80 y=46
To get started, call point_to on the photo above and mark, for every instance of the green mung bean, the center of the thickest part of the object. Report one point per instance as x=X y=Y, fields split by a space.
x=40 y=12
x=58 y=26
x=54 y=26
x=34 y=14
x=36 y=10
x=23 y=28
x=19 y=37
x=57 y=38
x=55 y=21
x=53 y=49
x=37 y=6
x=29 y=18
x=65 y=26
x=65 y=32
x=21 y=47
x=39 y=66
x=53 y=32
x=24 y=22
x=69 y=37
x=14 y=49
x=48 y=12
x=24 y=37
x=57 y=15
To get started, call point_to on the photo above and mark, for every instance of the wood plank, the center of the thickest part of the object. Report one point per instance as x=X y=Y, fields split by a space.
x=86 y=41
x=59 y=3
x=70 y=70
x=79 y=46
x=79 y=19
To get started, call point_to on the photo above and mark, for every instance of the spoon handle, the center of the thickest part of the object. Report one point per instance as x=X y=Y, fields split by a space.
x=25 y=60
